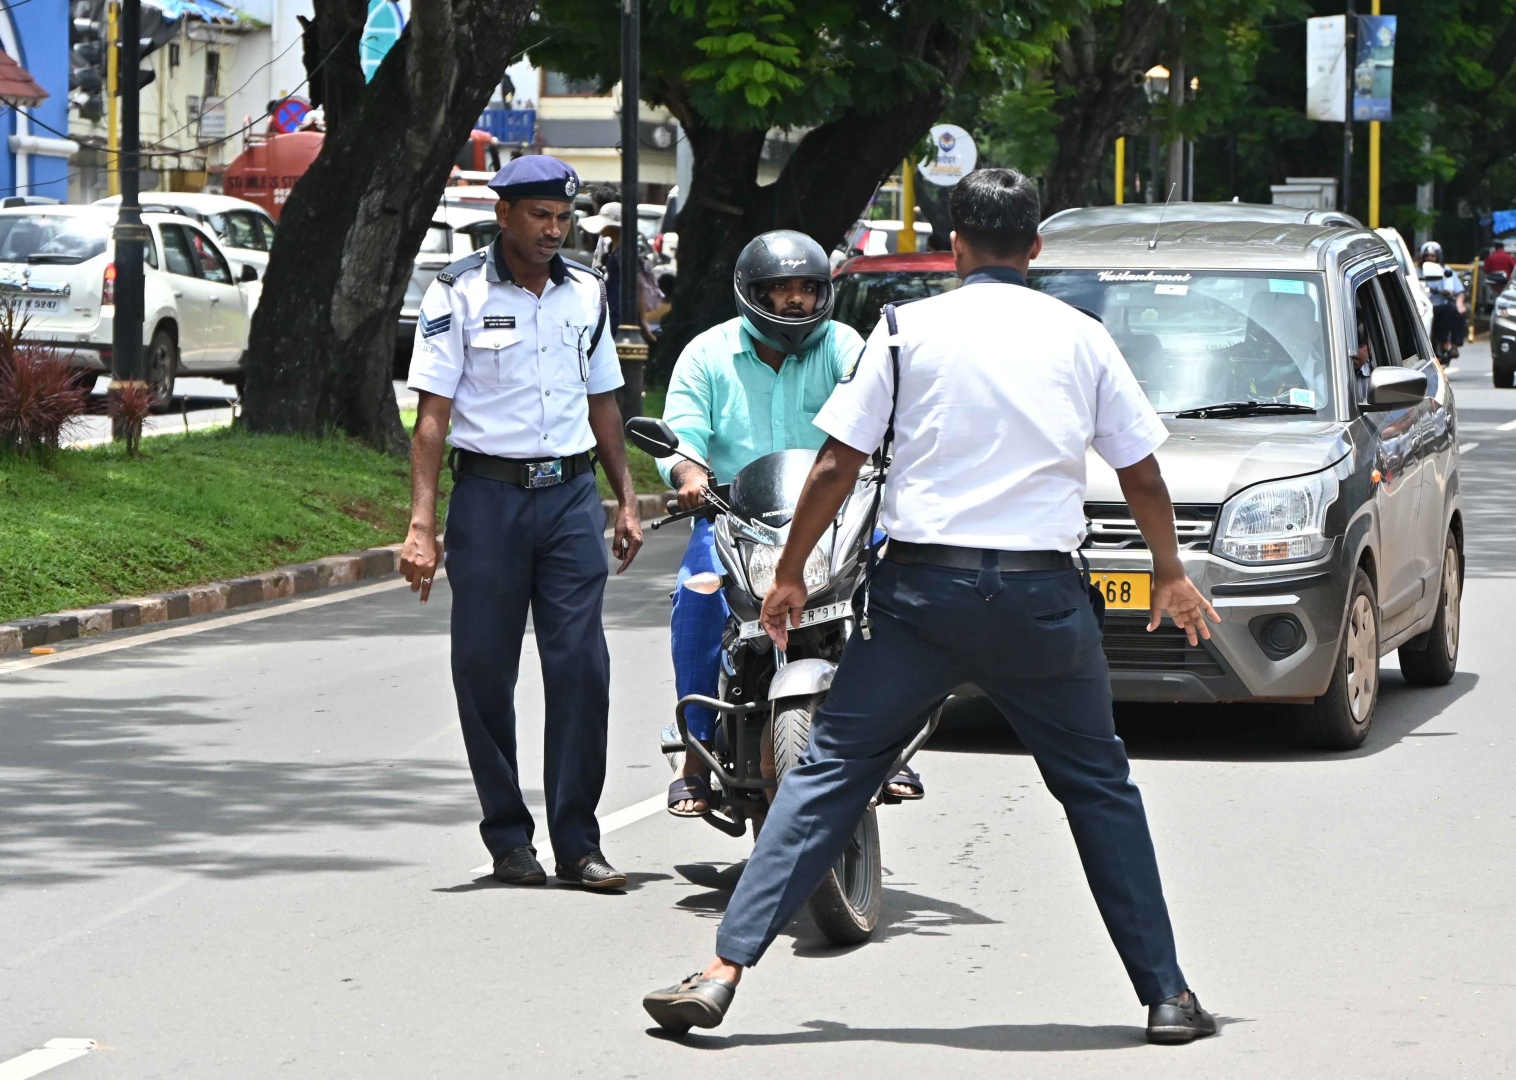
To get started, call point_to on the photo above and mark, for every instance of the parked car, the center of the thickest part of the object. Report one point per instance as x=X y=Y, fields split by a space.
x=455 y=231
x=865 y=283
x=1503 y=339
x=1318 y=507
x=243 y=231
x=56 y=267
x=1083 y=217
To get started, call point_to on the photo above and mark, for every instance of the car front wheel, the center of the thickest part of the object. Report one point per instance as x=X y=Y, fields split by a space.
x=1431 y=659
x=1340 y=718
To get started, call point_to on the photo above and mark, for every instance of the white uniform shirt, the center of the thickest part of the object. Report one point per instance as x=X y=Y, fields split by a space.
x=1002 y=390
x=517 y=367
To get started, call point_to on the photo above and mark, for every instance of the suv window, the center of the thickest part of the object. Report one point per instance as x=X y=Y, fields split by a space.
x=212 y=266
x=51 y=238
x=176 y=251
x=438 y=240
x=1392 y=288
x=239 y=229
x=483 y=234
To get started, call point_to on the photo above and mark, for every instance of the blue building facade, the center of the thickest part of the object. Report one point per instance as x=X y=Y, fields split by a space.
x=34 y=160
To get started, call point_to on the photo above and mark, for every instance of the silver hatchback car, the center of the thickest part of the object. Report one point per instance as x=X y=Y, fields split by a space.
x=1312 y=460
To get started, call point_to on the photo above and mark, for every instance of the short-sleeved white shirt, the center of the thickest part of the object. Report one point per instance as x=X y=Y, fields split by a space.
x=1002 y=390
x=517 y=366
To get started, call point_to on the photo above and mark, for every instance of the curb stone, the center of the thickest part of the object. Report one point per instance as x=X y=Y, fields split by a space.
x=283 y=582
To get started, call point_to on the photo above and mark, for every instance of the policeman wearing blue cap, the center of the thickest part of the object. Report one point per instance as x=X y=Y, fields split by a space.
x=512 y=350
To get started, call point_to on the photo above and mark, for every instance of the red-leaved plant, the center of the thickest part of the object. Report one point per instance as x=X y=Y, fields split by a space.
x=129 y=405
x=39 y=395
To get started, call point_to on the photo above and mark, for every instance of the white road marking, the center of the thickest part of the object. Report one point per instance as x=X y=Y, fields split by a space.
x=1509 y=425
x=171 y=632
x=1464 y=448
x=1451 y=370
x=618 y=819
x=54 y=1052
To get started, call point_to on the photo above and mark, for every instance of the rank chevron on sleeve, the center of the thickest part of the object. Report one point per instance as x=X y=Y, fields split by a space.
x=437 y=324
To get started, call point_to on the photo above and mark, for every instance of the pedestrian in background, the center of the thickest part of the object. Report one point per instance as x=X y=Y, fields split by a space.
x=995 y=391
x=513 y=346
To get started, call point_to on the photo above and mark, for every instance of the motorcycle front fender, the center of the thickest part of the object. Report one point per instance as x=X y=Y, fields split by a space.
x=802 y=678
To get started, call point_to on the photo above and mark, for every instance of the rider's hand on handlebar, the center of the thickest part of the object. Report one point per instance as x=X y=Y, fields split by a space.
x=692 y=482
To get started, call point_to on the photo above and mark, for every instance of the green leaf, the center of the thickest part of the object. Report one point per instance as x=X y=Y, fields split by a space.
x=737 y=43
x=758 y=96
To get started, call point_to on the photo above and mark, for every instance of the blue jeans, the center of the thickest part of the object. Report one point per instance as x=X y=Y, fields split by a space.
x=695 y=628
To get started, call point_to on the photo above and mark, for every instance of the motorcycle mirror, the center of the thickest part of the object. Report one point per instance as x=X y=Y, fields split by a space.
x=652 y=436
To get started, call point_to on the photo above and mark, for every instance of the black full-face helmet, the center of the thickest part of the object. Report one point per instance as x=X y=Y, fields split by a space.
x=777 y=256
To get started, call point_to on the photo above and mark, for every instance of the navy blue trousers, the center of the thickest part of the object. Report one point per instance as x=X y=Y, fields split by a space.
x=509 y=550
x=1034 y=648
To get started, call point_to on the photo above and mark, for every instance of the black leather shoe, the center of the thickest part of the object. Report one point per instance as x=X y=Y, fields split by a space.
x=696 y=1002
x=1179 y=1021
x=591 y=872
x=519 y=866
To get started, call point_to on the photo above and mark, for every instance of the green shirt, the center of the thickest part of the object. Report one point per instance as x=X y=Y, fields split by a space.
x=729 y=408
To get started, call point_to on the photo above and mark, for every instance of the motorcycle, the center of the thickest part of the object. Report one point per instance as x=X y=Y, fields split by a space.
x=768 y=698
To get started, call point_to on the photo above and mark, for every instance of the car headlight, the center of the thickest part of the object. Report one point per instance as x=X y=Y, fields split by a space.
x=1278 y=522
x=1505 y=304
x=763 y=560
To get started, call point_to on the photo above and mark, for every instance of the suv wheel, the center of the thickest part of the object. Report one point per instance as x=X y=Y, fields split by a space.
x=1340 y=718
x=162 y=364
x=1504 y=380
x=1430 y=659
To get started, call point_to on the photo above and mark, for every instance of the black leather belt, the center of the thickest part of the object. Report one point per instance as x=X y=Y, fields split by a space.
x=527 y=474
x=961 y=558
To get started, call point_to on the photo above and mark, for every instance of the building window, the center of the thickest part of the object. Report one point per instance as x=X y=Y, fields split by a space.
x=555 y=84
x=173 y=55
x=212 y=74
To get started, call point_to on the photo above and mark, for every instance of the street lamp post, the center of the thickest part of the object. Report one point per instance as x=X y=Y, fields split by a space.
x=1349 y=62
x=630 y=348
x=130 y=235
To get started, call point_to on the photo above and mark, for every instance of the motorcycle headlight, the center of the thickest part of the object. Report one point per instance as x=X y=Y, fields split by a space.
x=1279 y=522
x=763 y=560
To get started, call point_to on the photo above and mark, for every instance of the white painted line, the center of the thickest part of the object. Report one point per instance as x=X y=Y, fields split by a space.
x=54 y=1052
x=171 y=632
x=1450 y=370
x=618 y=819
x=89 y=444
x=1464 y=448
x=1509 y=425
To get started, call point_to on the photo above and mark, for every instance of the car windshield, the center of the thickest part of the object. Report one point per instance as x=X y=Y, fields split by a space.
x=1203 y=337
x=51 y=238
x=860 y=296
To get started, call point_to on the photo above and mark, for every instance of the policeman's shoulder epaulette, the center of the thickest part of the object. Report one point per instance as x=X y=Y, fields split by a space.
x=581 y=268
x=449 y=273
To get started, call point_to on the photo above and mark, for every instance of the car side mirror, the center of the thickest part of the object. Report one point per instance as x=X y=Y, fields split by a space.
x=1393 y=388
x=249 y=273
x=652 y=436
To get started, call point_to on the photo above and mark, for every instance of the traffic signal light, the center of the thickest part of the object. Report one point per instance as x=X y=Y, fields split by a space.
x=86 y=65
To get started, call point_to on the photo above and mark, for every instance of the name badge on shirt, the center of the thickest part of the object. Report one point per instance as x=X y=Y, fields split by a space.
x=500 y=322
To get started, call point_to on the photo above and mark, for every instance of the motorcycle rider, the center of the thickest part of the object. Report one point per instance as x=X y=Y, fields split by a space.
x=1449 y=324
x=745 y=388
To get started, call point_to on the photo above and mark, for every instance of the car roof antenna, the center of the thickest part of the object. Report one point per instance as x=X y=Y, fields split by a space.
x=1154 y=241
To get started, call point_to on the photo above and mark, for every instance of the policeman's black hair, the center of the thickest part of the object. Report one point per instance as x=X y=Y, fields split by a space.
x=996 y=211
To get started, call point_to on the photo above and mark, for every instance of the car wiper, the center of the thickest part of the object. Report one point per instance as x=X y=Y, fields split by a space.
x=1225 y=409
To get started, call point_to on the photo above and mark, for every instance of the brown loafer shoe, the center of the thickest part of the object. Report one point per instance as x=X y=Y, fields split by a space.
x=696 y=1002
x=591 y=872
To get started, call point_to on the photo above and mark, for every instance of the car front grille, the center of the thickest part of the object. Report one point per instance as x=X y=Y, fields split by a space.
x=1129 y=647
x=1110 y=527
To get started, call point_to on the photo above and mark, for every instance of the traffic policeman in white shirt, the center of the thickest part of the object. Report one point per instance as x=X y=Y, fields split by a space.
x=1001 y=390
x=512 y=346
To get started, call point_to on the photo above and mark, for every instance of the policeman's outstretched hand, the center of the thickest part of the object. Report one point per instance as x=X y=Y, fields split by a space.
x=1176 y=594
x=781 y=609
x=419 y=558
x=627 y=540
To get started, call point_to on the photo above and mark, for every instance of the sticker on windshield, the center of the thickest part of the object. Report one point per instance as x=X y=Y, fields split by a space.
x=1304 y=398
x=1171 y=290
x=1287 y=285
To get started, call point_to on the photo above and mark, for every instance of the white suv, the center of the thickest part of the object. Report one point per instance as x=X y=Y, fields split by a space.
x=56 y=267
x=242 y=229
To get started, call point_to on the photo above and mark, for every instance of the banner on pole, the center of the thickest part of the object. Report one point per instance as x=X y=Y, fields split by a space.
x=1326 y=83
x=1374 y=69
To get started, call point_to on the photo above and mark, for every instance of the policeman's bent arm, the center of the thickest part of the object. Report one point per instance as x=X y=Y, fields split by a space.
x=831 y=479
x=1148 y=496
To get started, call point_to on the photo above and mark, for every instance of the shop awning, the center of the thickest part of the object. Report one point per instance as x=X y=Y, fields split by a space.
x=205 y=10
x=17 y=87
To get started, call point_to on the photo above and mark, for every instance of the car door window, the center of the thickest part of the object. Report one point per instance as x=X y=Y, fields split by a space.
x=237 y=229
x=1407 y=349
x=438 y=240
x=483 y=234
x=1371 y=346
x=177 y=255
x=212 y=266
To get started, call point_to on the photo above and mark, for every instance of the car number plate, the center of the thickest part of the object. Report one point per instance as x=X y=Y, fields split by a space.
x=1124 y=592
x=809 y=617
x=36 y=303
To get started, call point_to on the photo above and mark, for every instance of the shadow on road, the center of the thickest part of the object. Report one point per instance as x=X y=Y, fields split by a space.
x=89 y=787
x=1224 y=732
x=1029 y=1038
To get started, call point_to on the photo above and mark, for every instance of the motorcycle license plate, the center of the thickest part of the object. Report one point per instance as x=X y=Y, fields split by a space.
x=824 y=613
x=1124 y=592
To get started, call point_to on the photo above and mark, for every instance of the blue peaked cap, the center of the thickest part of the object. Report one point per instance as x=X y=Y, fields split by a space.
x=536 y=176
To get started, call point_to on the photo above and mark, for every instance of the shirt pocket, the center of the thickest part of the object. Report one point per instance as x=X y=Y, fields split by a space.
x=574 y=367
x=497 y=357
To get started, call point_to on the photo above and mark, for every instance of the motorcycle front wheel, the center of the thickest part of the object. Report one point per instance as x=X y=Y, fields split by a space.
x=847 y=902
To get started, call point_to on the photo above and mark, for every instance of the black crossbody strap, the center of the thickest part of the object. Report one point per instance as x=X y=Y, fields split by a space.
x=605 y=307
x=886 y=451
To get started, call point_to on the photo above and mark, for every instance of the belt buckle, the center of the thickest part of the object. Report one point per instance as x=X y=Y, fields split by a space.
x=541 y=474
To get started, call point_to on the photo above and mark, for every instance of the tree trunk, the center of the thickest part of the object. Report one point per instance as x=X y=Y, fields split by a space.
x=323 y=337
x=1096 y=91
x=821 y=191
